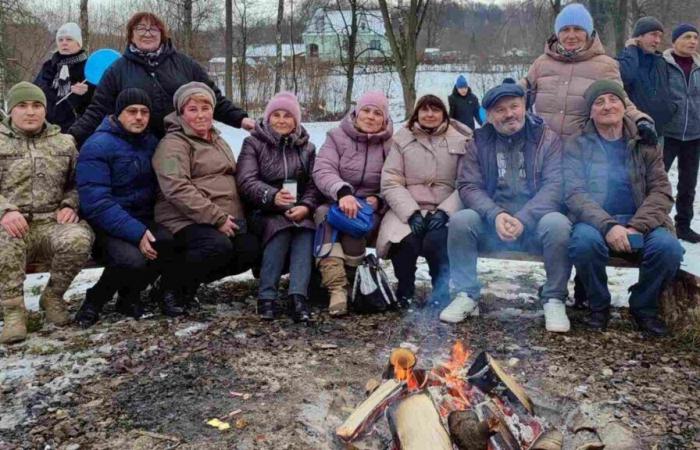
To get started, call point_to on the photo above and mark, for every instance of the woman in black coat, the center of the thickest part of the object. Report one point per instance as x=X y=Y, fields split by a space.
x=63 y=76
x=150 y=62
x=464 y=105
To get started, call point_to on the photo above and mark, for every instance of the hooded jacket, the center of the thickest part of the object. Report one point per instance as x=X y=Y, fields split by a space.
x=586 y=181
x=265 y=162
x=116 y=182
x=685 y=99
x=557 y=84
x=196 y=178
x=173 y=69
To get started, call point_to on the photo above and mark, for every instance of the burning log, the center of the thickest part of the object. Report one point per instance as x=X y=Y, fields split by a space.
x=468 y=432
x=416 y=425
x=503 y=438
x=486 y=374
x=368 y=411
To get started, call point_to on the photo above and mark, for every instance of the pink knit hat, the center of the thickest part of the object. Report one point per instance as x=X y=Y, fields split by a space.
x=285 y=101
x=376 y=99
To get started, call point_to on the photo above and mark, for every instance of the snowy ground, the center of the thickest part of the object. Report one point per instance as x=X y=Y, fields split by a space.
x=495 y=273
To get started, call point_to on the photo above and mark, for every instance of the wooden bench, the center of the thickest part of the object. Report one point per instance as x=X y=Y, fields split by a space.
x=679 y=302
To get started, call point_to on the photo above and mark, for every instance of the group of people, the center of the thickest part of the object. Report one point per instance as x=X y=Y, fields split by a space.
x=156 y=193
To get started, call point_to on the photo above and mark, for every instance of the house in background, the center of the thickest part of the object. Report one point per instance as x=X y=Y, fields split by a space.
x=258 y=54
x=326 y=34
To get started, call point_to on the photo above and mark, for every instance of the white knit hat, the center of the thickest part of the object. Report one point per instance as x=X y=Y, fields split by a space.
x=71 y=30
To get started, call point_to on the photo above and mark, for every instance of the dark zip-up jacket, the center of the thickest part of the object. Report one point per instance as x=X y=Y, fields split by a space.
x=586 y=181
x=477 y=176
x=464 y=108
x=173 y=70
x=685 y=97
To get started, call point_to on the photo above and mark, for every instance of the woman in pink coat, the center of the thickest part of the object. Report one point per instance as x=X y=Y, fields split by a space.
x=349 y=166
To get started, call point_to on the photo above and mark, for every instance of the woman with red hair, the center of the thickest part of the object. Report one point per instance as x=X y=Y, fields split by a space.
x=151 y=62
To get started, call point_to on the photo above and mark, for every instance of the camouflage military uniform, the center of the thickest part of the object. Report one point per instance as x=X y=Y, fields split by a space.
x=37 y=179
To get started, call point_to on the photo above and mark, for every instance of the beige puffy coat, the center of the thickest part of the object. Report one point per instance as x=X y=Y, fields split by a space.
x=419 y=174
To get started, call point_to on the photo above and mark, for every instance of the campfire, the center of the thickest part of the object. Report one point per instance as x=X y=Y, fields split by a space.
x=451 y=405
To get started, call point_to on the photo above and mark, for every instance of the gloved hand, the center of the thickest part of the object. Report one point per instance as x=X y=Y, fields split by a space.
x=647 y=132
x=418 y=224
x=437 y=220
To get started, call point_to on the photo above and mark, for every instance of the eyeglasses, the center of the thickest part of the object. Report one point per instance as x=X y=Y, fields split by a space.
x=142 y=31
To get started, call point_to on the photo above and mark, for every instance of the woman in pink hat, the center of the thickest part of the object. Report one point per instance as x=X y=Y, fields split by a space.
x=348 y=167
x=274 y=179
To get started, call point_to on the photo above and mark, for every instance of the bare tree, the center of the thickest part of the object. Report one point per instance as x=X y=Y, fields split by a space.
x=620 y=21
x=278 y=41
x=346 y=35
x=187 y=26
x=85 y=23
x=228 y=77
x=241 y=10
x=402 y=29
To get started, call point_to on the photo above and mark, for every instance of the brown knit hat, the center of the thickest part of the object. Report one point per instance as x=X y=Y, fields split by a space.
x=186 y=91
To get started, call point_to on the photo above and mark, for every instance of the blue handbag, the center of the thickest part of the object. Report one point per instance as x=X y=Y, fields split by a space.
x=340 y=223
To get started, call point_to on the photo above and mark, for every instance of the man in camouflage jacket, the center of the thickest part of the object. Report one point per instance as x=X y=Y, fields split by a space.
x=38 y=210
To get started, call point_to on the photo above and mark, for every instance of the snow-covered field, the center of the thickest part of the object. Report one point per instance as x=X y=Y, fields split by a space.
x=496 y=274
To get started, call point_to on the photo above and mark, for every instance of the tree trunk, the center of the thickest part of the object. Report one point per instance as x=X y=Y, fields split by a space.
x=621 y=25
x=351 y=60
x=85 y=24
x=228 y=76
x=187 y=26
x=278 y=41
x=291 y=40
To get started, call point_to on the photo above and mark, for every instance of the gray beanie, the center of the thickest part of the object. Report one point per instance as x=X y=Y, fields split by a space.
x=647 y=25
x=71 y=30
x=186 y=91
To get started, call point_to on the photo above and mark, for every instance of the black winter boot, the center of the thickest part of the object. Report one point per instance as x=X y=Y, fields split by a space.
x=89 y=312
x=266 y=309
x=170 y=304
x=598 y=320
x=298 y=309
x=129 y=304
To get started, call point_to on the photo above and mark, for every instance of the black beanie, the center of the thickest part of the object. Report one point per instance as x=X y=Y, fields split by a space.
x=131 y=96
x=647 y=25
x=681 y=29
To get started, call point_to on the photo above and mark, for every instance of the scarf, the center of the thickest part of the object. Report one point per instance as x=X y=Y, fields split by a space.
x=568 y=53
x=61 y=81
x=151 y=58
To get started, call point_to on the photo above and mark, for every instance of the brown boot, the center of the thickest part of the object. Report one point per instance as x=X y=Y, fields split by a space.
x=54 y=308
x=333 y=278
x=15 y=327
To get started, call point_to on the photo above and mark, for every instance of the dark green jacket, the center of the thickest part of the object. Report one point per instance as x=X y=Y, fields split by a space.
x=586 y=181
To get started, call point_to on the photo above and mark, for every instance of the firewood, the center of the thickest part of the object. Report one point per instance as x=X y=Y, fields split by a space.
x=503 y=439
x=416 y=425
x=511 y=384
x=367 y=412
x=551 y=440
x=486 y=373
x=468 y=432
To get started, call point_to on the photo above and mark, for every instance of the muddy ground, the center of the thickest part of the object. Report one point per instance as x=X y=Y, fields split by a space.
x=116 y=384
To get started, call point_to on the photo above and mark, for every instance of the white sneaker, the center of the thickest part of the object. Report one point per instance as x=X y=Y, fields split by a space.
x=555 y=316
x=460 y=308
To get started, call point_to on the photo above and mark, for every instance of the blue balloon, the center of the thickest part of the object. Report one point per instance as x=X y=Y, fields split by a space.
x=98 y=63
x=482 y=114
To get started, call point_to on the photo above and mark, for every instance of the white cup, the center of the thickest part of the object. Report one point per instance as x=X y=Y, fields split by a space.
x=291 y=187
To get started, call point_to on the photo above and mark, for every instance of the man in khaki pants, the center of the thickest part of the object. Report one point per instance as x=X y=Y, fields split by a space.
x=38 y=210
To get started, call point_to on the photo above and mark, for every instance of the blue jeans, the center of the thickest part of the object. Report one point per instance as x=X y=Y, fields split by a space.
x=468 y=233
x=298 y=244
x=660 y=259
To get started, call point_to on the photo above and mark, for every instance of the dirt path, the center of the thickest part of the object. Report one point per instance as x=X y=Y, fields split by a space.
x=100 y=388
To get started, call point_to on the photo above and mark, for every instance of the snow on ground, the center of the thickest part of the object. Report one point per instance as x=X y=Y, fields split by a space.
x=496 y=275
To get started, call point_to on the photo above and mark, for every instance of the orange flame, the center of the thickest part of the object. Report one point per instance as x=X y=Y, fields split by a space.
x=403 y=361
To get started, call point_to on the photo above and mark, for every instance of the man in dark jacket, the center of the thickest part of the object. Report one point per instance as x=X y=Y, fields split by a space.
x=644 y=73
x=510 y=181
x=160 y=73
x=619 y=198
x=117 y=189
x=464 y=106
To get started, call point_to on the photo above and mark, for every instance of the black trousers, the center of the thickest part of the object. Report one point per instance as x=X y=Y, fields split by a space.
x=688 y=154
x=206 y=254
x=433 y=247
x=127 y=270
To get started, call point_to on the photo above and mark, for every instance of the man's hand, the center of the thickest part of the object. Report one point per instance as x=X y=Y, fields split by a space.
x=79 y=88
x=248 y=124
x=349 y=205
x=66 y=215
x=617 y=239
x=284 y=198
x=298 y=213
x=508 y=227
x=647 y=132
x=373 y=201
x=15 y=224
x=229 y=227
x=145 y=245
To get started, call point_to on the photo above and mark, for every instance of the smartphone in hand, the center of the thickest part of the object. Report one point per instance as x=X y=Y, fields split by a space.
x=636 y=241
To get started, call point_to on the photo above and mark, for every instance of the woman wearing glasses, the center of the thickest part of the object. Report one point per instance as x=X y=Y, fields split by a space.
x=151 y=62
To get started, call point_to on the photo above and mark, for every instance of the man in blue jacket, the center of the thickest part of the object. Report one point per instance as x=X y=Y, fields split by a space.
x=117 y=189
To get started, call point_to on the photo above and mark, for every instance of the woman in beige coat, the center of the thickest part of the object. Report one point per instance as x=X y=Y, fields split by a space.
x=418 y=185
x=574 y=57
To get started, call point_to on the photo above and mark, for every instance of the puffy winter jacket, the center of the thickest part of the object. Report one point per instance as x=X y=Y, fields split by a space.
x=685 y=97
x=116 y=182
x=173 y=70
x=477 y=176
x=558 y=83
x=586 y=181
x=265 y=162
x=65 y=114
x=464 y=108
x=351 y=158
x=645 y=76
